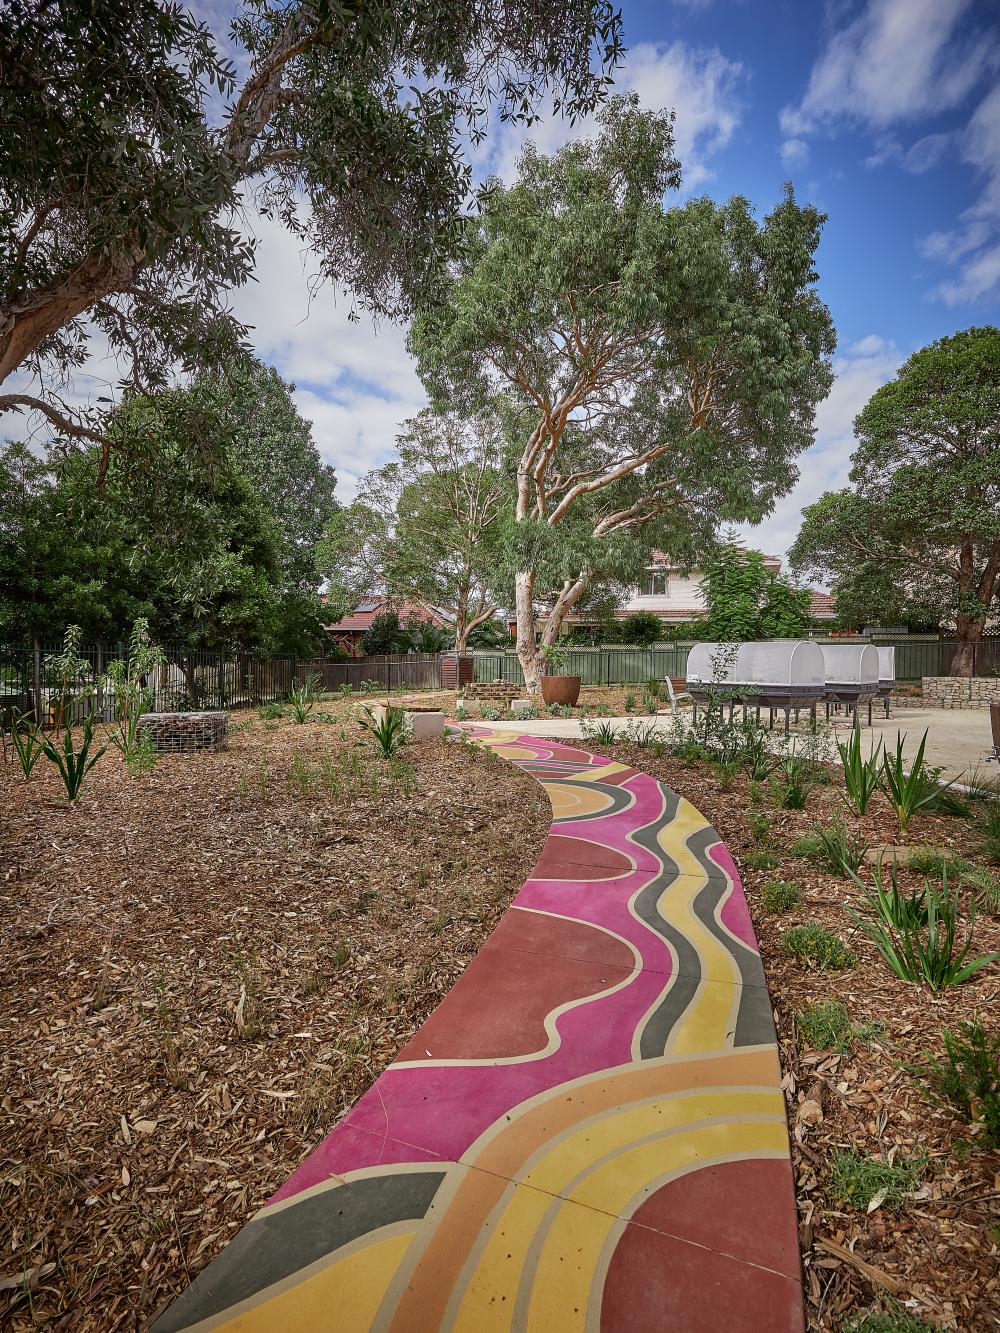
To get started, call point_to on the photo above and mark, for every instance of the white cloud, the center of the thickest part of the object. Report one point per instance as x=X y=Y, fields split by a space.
x=860 y=370
x=702 y=85
x=795 y=152
x=898 y=59
x=976 y=241
x=356 y=382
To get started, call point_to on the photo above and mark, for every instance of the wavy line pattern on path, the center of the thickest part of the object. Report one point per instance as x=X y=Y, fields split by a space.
x=588 y=1135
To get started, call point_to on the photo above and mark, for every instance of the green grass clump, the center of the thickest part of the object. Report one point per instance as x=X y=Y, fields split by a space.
x=813 y=943
x=988 y=831
x=934 y=861
x=857 y=1180
x=985 y=884
x=806 y=847
x=759 y=859
x=892 y=1320
x=780 y=895
x=826 y=1026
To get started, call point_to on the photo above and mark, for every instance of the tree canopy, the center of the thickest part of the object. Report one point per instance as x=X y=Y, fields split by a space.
x=131 y=144
x=915 y=538
x=747 y=601
x=427 y=527
x=653 y=368
x=187 y=536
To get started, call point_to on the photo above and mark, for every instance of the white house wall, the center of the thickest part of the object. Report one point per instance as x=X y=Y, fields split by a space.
x=683 y=594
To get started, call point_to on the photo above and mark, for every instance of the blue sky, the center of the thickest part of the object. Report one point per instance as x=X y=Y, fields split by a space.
x=884 y=113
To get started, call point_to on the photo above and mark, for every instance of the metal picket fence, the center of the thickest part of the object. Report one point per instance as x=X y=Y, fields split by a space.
x=190 y=679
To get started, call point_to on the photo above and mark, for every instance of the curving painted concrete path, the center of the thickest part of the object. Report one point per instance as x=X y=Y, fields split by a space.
x=588 y=1134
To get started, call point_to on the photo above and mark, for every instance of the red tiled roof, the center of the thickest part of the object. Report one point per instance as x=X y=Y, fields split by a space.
x=822 y=605
x=362 y=617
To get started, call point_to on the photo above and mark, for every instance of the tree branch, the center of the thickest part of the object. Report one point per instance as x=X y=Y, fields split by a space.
x=16 y=402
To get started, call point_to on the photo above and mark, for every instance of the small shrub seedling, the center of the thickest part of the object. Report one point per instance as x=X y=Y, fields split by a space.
x=759 y=826
x=968 y=1078
x=988 y=831
x=859 y=1181
x=813 y=943
x=985 y=884
x=825 y=1026
x=780 y=895
x=758 y=858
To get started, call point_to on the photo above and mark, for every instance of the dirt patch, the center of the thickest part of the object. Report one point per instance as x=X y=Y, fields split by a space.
x=941 y=1249
x=202 y=968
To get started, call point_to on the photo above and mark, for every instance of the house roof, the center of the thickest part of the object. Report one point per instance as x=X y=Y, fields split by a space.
x=772 y=562
x=822 y=605
x=361 y=618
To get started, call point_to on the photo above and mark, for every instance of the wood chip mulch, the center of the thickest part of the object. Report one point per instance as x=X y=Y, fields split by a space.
x=201 y=968
x=938 y=1255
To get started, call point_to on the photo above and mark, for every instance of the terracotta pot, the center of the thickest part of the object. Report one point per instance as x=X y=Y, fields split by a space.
x=561 y=689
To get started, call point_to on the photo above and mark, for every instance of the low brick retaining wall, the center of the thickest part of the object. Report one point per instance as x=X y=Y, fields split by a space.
x=961 y=691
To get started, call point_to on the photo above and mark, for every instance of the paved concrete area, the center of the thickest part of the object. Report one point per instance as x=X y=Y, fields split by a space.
x=587 y=1136
x=958 y=740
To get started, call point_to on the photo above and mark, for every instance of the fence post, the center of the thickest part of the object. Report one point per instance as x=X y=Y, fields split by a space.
x=36 y=676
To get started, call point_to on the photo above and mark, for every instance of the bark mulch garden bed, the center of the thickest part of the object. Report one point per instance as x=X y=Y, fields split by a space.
x=934 y=1253
x=202 y=967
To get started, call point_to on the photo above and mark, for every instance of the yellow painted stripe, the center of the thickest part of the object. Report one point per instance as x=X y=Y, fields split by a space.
x=344 y=1295
x=570 y=1283
x=570 y=1248
x=557 y=1166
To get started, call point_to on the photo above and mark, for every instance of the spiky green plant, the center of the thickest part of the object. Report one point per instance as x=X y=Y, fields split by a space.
x=73 y=764
x=387 y=729
x=861 y=775
x=929 y=951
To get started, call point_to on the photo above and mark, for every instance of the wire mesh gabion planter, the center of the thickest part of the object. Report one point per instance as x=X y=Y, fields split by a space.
x=182 y=733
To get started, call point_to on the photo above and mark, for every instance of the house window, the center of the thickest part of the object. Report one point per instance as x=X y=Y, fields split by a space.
x=655 y=585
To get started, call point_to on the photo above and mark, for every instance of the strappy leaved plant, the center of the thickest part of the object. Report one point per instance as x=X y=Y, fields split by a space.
x=861 y=776
x=73 y=764
x=928 y=951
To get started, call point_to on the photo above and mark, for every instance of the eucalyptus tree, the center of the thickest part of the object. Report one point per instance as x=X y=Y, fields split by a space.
x=916 y=536
x=655 y=365
x=428 y=526
x=130 y=146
